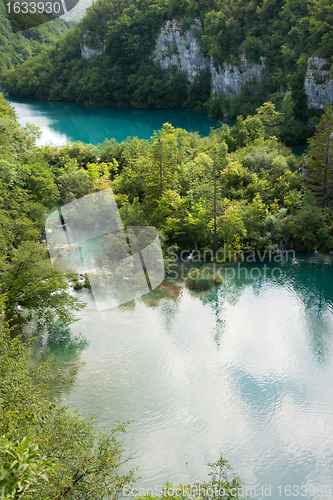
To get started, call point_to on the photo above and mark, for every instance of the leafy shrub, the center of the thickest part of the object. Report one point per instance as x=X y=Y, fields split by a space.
x=218 y=279
x=199 y=279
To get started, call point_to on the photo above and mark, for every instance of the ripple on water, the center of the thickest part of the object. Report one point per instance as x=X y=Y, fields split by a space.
x=245 y=369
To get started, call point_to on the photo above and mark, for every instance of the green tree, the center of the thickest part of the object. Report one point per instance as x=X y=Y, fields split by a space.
x=270 y=119
x=319 y=163
x=197 y=223
x=218 y=153
x=196 y=181
x=230 y=226
x=87 y=462
x=23 y=466
x=74 y=185
x=165 y=152
x=34 y=289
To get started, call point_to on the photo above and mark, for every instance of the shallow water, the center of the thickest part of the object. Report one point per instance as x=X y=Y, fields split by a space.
x=245 y=369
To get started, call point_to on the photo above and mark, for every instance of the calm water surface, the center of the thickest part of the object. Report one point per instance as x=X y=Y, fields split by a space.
x=245 y=369
x=66 y=121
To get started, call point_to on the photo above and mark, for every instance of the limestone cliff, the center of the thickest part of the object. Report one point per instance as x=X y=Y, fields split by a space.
x=88 y=52
x=230 y=79
x=317 y=85
x=183 y=49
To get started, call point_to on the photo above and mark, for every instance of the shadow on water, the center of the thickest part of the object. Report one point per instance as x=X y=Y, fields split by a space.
x=61 y=350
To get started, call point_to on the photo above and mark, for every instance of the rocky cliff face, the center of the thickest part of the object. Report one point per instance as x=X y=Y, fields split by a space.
x=230 y=79
x=317 y=84
x=87 y=52
x=184 y=50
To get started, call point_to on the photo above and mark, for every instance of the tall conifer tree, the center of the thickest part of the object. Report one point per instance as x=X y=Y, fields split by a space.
x=320 y=166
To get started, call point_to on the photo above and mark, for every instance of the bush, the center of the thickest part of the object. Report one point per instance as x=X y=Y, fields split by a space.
x=199 y=279
x=86 y=282
x=218 y=278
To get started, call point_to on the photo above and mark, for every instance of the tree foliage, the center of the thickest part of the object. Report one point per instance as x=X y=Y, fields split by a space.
x=46 y=449
x=19 y=47
x=319 y=162
x=123 y=72
x=28 y=190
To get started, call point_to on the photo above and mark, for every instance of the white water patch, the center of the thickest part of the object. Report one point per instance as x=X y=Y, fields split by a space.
x=30 y=114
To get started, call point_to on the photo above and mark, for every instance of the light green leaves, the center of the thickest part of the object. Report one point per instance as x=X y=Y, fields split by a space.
x=21 y=466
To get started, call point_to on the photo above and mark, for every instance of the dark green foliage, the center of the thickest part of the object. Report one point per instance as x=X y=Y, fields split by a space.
x=168 y=182
x=319 y=162
x=33 y=288
x=284 y=32
x=73 y=185
x=86 y=283
x=19 y=47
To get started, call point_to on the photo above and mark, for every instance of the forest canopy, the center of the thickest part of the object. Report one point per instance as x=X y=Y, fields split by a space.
x=19 y=47
x=122 y=72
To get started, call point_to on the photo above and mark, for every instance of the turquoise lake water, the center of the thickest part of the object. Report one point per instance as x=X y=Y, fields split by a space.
x=245 y=369
x=66 y=121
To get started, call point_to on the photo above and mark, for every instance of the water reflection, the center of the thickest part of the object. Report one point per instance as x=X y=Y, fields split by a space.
x=244 y=369
x=61 y=349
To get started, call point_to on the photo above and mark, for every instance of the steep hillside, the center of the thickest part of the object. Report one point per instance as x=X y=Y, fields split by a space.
x=19 y=47
x=227 y=55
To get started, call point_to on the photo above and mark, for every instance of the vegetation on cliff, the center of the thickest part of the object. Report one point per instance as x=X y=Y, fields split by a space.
x=19 y=47
x=123 y=73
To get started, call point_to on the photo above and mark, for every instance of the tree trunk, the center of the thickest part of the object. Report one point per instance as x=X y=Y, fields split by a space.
x=161 y=170
x=215 y=234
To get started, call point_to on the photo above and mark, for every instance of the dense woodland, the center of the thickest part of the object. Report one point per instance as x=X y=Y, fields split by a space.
x=240 y=188
x=264 y=196
x=19 y=47
x=285 y=32
x=242 y=181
